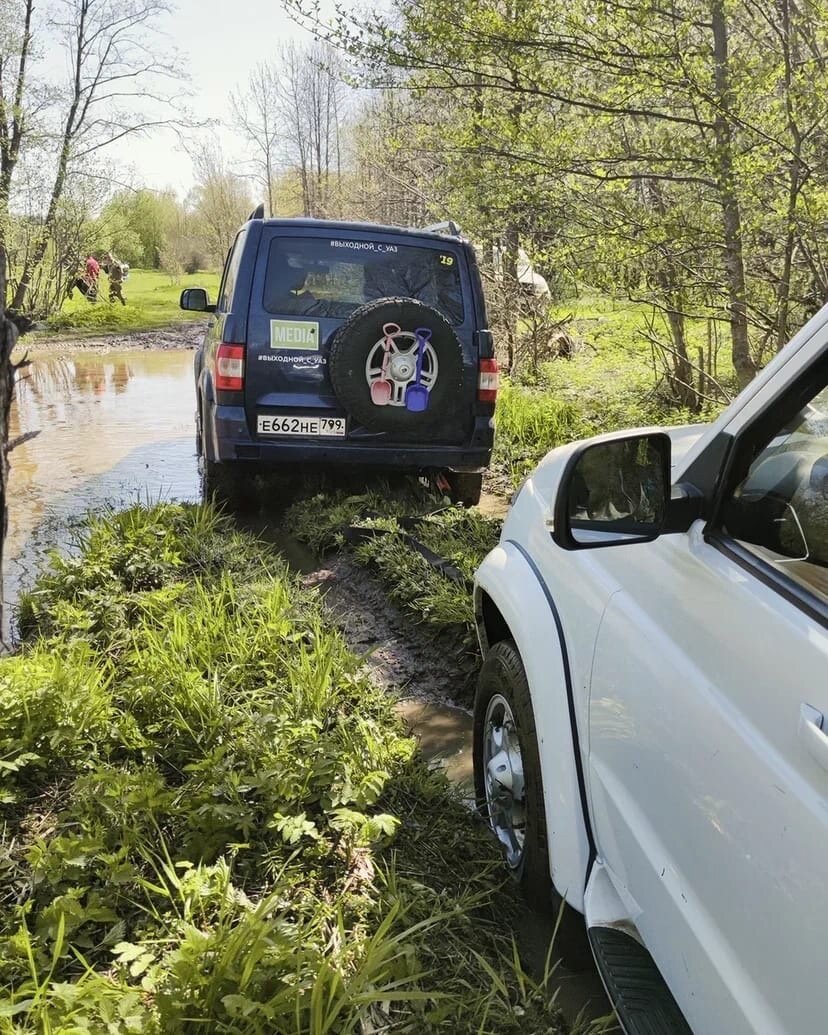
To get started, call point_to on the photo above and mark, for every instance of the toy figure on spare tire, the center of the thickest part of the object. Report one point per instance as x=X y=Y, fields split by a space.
x=396 y=366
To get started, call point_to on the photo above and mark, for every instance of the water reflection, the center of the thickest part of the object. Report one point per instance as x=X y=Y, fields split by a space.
x=111 y=429
x=445 y=738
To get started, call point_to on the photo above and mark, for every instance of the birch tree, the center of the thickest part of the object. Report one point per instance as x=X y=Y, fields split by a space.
x=256 y=111
x=119 y=82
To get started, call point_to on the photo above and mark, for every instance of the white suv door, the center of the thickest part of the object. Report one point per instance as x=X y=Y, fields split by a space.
x=707 y=761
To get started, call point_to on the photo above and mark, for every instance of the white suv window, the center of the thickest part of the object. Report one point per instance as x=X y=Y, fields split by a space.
x=780 y=510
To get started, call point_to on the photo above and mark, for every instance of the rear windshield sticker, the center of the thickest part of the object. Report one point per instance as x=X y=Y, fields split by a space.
x=296 y=335
x=366 y=246
x=446 y=260
x=297 y=362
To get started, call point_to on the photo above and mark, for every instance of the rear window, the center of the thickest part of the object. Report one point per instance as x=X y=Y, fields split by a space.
x=322 y=276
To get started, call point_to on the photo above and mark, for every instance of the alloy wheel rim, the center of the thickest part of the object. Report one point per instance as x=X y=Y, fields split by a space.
x=503 y=778
x=402 y=366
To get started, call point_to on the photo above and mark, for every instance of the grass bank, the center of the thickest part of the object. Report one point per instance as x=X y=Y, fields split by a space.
x=213 y=822
x=152 y=302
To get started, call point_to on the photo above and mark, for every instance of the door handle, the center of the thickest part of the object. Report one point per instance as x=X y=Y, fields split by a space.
x=812 y=735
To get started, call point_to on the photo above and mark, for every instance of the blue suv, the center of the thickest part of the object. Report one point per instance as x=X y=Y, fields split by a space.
x=340 y=344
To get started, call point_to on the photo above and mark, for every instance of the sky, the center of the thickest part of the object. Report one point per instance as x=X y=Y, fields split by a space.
x=219 y=41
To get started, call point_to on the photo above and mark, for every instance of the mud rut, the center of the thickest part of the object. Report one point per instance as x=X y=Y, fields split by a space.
x=405 y=658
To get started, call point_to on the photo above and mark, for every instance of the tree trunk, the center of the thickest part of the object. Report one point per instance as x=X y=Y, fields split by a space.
x=783 y=291
x=8 y=338
x=511 y=291
x=731 y=215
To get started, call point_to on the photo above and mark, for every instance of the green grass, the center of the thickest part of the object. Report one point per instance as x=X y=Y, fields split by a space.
x=609 y=384
x=530 y=422
x=439 y=603
x=152 y=302
x=213 y=822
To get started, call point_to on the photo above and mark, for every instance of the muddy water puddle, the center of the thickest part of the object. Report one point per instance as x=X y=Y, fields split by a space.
x=110 y=429
x=444 y=734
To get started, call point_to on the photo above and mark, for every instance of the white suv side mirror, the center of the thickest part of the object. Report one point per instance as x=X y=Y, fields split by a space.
x=614 y=492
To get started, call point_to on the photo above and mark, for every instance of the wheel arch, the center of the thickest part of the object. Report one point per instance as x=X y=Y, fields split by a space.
x=511 y=602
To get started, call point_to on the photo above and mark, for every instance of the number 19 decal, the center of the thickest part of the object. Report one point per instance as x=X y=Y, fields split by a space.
x=446 y=260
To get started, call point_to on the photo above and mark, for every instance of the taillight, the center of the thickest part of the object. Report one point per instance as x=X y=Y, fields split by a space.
x=230 y=368
x=488 y=381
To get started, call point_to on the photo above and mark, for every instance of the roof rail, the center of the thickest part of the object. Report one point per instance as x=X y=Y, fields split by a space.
x=258 y=212
x=448 y=226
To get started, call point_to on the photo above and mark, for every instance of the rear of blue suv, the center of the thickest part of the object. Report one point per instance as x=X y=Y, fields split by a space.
x=345 y=344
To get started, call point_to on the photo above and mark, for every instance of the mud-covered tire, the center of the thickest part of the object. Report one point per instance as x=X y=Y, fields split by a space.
x=464 y=487
x=349 y=353
x=503 y=675
x=223 y=485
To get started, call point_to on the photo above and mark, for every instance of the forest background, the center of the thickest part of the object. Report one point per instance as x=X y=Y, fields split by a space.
x=662 y=165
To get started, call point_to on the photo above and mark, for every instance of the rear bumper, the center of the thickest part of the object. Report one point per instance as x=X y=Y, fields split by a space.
x=228 y=440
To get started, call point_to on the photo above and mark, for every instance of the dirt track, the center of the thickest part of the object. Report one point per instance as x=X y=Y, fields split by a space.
x=398 y=653
x=164 y=339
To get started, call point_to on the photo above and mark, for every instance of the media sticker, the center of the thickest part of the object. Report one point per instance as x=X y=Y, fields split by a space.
x=294 y=335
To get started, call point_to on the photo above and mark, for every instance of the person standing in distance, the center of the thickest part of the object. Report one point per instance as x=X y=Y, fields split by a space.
x=115 y=272
x=93 y=272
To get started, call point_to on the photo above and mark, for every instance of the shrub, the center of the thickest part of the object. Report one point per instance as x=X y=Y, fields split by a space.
x=197 y=261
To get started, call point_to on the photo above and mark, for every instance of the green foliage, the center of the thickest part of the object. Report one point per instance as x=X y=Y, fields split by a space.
x=688 y=171
x=212 y=820
x=530 y=423
x=152 y=302
x=137 y=224
x=319 y=519
x=608 y=385
x=461 y=537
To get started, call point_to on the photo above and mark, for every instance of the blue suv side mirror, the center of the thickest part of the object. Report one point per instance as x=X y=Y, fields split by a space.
x=196 y=300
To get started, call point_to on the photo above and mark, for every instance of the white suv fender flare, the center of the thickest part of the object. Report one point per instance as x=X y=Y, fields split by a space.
x=509 y=578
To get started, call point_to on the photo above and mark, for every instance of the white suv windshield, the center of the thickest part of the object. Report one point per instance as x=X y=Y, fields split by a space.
x=320 y=276
x=780 y=510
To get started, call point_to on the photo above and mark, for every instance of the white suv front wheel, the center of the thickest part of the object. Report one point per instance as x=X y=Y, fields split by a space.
x=509 y=788
x=507 y=768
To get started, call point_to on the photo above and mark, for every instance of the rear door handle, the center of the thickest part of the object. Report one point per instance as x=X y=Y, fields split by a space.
x=812 y=735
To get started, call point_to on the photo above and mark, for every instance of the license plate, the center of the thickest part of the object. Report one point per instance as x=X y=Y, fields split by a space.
x=315 y=427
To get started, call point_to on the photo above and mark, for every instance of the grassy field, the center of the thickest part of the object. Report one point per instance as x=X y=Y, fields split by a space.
x=212 y=820
x=152 y=302
x=610 y=383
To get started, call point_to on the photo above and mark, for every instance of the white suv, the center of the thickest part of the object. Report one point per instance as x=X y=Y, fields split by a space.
x=649 y=741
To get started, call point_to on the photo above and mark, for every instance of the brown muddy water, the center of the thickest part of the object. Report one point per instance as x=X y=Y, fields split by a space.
x=110 y=430
x=113 y=428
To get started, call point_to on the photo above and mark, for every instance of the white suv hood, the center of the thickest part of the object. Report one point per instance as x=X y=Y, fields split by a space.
x=682 y=439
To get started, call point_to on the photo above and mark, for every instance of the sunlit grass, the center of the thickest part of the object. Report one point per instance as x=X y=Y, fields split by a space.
x=152 y=302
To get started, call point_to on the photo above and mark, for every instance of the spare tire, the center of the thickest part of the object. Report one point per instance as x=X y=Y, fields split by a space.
x=358 y=352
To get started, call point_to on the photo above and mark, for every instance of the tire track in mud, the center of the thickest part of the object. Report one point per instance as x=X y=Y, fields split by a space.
x=405 y=658
x=399 y=652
